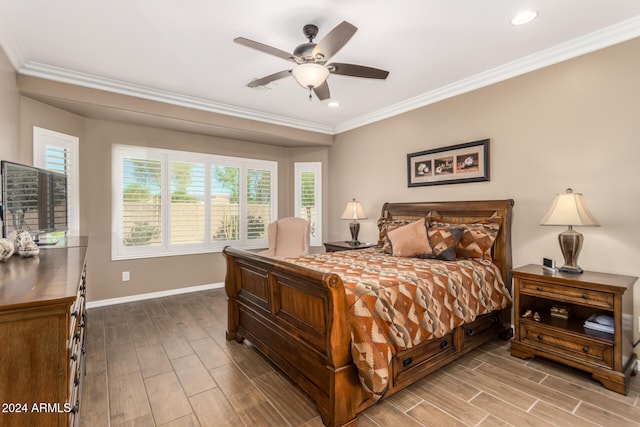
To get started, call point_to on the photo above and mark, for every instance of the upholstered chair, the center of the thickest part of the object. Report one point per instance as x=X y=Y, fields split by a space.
x=288 y=238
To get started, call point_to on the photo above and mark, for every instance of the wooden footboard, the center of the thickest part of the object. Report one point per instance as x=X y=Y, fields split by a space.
x=298 y=318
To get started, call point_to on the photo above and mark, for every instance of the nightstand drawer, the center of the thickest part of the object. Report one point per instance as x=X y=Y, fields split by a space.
x=579 y=347
x=585 y=297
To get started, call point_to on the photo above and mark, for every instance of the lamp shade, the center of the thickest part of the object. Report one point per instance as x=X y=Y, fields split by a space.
x=310 y=75
x=569 y=209
x=354 y=211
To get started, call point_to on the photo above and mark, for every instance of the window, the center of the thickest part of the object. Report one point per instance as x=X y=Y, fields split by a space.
x=168 y=202
x=308 y=196
x=59 y=152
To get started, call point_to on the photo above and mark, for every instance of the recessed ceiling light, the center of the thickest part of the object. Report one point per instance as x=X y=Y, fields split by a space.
x=524 y=17
x=334 y=104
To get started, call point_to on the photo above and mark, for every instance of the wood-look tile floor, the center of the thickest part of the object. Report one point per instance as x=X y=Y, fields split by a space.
x=165 y=362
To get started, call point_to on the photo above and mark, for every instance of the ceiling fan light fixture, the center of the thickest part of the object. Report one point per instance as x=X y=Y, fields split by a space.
x=310 y=75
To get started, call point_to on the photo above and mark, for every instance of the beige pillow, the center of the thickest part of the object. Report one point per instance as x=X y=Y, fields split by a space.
x=385 y=225
x=410 y=240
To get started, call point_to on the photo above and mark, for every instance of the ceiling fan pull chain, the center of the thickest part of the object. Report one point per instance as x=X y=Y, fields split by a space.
x=310 y=89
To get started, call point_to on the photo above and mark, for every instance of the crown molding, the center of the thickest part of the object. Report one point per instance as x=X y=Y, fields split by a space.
x=609 y=36
x=63 y=75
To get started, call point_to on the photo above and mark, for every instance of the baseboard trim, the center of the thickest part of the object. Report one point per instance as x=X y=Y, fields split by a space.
x=150 y=295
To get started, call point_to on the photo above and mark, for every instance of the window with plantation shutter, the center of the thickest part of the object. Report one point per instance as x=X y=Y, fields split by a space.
x=170 y=202
x=187 y=203
x=58 y=152
x=308 y=197
x=141 y=208
x=259 y=187
x=225 y=203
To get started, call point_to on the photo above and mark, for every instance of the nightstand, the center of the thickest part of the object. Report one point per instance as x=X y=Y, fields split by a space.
x=608 y=357
x=346 y=246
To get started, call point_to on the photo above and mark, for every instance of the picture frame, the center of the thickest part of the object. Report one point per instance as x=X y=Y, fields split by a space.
x=455 y=164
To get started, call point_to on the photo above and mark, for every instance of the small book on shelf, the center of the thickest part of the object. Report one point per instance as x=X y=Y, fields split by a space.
x=600 y=322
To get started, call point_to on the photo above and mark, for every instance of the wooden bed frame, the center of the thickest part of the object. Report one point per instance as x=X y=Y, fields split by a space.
x=298 y=318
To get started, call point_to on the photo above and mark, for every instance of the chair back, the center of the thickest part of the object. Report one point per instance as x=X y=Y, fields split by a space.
x=288 y=237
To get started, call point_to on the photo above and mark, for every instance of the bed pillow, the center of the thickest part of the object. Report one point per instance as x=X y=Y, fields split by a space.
x=478 y=236
x=410 y=240
x=385 y=225
x=444 y=239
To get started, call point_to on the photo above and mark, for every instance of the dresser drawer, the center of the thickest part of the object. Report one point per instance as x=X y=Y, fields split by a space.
x=587 y=349
x=557 y=292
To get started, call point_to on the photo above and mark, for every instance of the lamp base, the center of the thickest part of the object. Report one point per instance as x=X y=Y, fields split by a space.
x=572 y=270
x=354 y=228
x=570 y=244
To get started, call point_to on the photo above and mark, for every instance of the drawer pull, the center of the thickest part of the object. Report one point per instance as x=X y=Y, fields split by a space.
x=585 y=349
x=408 y=361
x=444 y=343
x=585 y=296
x=469 y=332
x=538 y=288
x=540 y=337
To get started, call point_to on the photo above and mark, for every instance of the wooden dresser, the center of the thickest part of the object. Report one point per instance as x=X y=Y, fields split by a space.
x=608 y=357
x=42 y=320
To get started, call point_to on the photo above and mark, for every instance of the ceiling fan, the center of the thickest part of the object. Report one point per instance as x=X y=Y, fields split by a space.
x=311 y=70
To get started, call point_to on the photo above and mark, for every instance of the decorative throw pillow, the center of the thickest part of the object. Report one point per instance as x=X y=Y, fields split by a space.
x=443 y=239
x=478 y=237
x=384 y=226
x=410 y=240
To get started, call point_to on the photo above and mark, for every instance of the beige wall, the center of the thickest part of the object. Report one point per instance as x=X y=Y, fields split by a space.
x=9 y=111
x=575 y=124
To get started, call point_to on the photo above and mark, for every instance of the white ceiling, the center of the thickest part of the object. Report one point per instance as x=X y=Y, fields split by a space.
x=182 y=51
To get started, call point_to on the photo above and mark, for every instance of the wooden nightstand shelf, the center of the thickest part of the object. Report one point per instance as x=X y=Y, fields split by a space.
x=346 y=246
x=608 y=357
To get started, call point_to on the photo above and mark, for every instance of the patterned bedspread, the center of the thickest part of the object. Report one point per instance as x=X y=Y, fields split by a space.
x=397 y=303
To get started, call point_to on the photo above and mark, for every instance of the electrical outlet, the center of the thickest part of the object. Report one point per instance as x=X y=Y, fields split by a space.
x=125 y=276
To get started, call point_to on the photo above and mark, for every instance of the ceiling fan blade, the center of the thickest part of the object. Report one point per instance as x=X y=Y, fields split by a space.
x=265 y=48
x=322 y=91
x=335 y=40
x=357 y=71
x=270 y=78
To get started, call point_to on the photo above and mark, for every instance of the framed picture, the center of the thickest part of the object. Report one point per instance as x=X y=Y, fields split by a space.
x=455 y=164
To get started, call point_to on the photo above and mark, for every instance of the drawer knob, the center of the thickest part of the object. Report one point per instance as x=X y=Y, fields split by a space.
x=469 y=332
x=585 y=349
x=444 y=343
x=408 y=361
x=538 y=288
x=540 y=337
x=585 y=296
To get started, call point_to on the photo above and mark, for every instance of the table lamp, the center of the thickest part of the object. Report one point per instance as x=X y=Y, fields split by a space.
x=570 y=209
x=354 y=212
